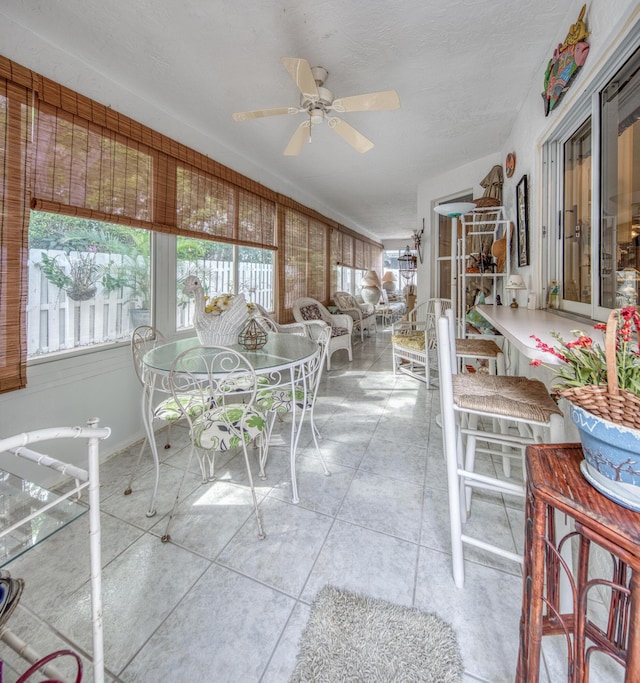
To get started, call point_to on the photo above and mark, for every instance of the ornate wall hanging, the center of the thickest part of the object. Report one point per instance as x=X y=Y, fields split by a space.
x=510 y=164
x=567 y=60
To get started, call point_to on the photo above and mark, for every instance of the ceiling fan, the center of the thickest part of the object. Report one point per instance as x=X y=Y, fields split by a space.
x=317 y=102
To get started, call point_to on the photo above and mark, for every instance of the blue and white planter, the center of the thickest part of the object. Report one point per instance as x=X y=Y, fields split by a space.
x=612 y=457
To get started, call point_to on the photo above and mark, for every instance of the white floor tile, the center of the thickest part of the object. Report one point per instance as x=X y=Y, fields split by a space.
x=217 y=603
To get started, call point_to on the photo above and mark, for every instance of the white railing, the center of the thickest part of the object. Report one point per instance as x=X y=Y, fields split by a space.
x=57 y=323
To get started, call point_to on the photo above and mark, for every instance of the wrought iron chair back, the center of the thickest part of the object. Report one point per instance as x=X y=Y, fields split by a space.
x=221 y=412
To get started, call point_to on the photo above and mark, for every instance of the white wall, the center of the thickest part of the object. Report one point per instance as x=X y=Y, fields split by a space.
x=608 y=21
x=85 y=384
x=463 y=180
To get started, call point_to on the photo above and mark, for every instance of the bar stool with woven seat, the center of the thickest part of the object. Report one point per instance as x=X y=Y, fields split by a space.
x=475 y=412
x=478 y=349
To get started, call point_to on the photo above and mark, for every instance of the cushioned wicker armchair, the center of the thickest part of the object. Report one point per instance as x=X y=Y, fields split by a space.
x=364 y=315
x=413 y=342
x=307 y=309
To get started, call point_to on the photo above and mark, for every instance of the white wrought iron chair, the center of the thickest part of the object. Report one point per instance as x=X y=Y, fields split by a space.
x=278 y=401
x=89 y=478
x=222 y=415
x=364 y=315
x=472 y=406
x=268 y=324
x=143 y=339
x=306 y=309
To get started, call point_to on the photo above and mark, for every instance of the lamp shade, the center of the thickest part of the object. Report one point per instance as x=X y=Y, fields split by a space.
x=454 y=208
x=371 y=279
x=515 y=282
x=389 y=276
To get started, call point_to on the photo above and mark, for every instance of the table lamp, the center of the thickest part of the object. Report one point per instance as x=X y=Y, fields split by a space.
x=453 y=210
x=515 y=282
x=389 y=280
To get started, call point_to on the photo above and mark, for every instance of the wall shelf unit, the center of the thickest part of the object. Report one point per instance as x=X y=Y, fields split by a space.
x=482 y=258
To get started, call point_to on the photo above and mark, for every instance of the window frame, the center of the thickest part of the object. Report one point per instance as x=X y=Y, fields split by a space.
x=552 y=148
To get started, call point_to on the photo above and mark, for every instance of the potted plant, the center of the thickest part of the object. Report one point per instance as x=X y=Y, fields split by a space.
x=602 y=385
x=130 y=271
x=80 y=276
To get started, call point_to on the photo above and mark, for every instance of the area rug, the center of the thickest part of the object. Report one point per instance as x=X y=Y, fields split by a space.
x=351 y=637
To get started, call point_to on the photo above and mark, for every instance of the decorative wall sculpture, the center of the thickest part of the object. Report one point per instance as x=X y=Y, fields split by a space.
x=567 y=60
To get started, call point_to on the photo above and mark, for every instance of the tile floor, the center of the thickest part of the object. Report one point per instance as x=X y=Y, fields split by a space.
x=217 y=604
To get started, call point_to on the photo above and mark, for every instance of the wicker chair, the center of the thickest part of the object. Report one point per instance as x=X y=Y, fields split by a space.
x=364 y=315
x=413 y=344
x=268 y=324
x=306 y=309
x=389 y=311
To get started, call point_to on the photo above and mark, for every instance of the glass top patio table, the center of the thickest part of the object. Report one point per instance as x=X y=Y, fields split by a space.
x=281 y=352
x=284 y=359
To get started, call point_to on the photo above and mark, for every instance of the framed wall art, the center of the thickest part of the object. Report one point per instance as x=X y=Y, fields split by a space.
x=522 y=207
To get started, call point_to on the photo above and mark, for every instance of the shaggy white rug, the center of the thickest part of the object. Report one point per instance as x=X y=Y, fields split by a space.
x=351 y=638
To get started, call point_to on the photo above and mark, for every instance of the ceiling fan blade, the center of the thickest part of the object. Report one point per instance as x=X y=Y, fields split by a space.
x=373 y=101
x=259 y=113
x=298 y=139
x=300 y=71
x=347 y=132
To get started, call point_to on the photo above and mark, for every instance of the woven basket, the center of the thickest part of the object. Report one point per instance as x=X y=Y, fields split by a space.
x=223 y=329
x=607 y=401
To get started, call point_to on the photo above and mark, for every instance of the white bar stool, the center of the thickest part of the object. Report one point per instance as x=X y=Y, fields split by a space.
x=465 y=400
x=478 y=349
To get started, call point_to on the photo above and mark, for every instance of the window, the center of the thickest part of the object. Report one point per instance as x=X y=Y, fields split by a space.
x=345 y=280
x=76 y=166
x=392 y=265
x=620 y=198
x=223 y=268
x=598 y=195
x=577 y=216
x=89 y=282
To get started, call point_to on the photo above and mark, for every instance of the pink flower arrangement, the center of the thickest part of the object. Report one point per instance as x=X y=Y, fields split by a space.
x=584 y=361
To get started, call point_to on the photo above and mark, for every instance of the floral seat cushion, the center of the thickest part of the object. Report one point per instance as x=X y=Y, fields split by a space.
x=171 y=409
x=220 y=429
x=281 y=399
x=311 y=312
x=414 y=341
x=242 y=383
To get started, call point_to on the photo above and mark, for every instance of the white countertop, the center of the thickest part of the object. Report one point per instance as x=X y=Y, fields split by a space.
x=518 y=324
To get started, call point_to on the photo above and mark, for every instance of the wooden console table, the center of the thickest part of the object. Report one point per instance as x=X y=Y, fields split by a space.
x=555 y=484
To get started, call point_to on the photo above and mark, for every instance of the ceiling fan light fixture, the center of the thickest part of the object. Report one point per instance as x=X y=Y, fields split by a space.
x=317 y=115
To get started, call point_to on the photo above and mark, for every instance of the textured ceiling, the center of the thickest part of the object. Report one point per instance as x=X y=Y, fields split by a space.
x=461 y=68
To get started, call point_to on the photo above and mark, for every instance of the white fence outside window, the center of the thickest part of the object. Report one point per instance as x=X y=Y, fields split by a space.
x=57 y=323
